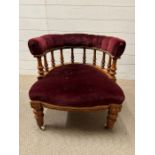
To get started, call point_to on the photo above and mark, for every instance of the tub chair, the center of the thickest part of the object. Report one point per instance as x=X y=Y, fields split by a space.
x=76 y=86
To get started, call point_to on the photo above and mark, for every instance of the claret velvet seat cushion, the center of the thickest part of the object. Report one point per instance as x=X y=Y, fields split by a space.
x=77 y=85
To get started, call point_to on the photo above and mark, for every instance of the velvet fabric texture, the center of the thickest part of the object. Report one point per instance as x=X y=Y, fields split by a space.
x=113 y=45
x=77 y=85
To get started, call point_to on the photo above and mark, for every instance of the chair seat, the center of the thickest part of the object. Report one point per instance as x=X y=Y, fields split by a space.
x=76 y=85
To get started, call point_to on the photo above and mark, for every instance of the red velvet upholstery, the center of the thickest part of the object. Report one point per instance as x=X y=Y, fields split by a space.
x=77 y=85
x=113 y=45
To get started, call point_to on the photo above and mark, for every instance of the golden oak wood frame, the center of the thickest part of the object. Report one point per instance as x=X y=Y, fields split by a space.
x=43 y=69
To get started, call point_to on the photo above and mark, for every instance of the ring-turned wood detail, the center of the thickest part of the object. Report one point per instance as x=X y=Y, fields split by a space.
x=52 y=59
x=84 y=55
x=103 y=61
x=61 y=56
x=72 y=55
x=112 y=115
x=40 y=68
x=110 y=70
x=46 y=64
x=38 y=112
x=113 y=110
x=113 y=69
x=109 y=64
x=94 y=57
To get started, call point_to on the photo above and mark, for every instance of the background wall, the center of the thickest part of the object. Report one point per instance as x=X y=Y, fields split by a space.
x=107 y=17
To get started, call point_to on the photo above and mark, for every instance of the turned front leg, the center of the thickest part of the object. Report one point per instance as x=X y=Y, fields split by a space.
x=39 y=115
x=112 y=115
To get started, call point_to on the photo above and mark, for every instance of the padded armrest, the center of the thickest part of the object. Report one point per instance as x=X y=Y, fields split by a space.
x=113 y=45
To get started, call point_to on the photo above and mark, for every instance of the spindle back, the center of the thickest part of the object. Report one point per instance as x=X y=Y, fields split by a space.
x=107 y=64
x=110 y=48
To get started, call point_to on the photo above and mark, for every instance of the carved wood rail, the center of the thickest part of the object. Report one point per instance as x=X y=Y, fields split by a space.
x=108 y=67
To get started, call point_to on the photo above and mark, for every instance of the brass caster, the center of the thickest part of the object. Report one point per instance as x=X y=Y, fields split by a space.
x=108 y=127
x=43 y=128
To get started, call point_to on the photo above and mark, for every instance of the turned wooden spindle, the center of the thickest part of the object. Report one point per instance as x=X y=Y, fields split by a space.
x=46 y=63
x=72 y=55
x=109 y=64
x=40 y=68
x=61 y=56
x=94 y=57
x=103 y=61
x=113 y=69
x=38 y=112
x=52 y=59
x=112 y=115
x=84 y=55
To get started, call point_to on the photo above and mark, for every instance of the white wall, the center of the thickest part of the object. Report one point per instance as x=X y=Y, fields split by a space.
x=107 y=17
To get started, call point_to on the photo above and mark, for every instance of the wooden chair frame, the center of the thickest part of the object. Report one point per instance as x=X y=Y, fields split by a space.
x=43 y=69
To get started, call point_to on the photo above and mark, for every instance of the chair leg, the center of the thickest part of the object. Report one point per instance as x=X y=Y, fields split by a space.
x=112 y=115
x=39 y=115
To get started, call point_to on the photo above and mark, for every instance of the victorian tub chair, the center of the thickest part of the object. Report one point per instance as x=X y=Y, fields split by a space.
x=76 y=86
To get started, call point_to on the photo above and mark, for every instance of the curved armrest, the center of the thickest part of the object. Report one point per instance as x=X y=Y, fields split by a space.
x=114 y=46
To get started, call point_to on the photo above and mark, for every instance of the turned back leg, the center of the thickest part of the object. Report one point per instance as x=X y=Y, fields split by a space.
x=112 y=115
x=38 y=112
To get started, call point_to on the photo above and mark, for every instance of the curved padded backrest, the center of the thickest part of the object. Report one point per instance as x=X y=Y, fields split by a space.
x=113 y=45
